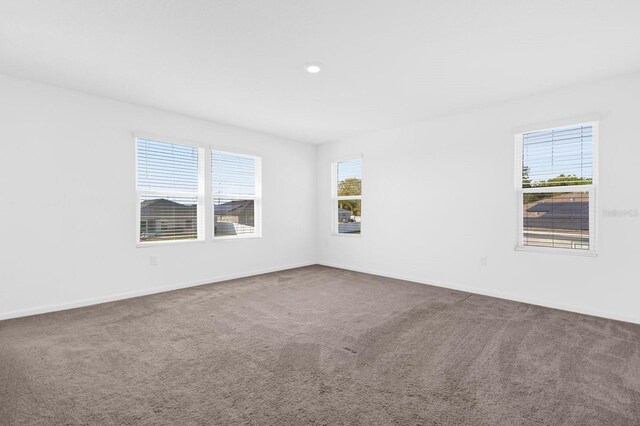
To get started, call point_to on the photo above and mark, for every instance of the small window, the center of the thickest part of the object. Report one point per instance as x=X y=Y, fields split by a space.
x=169 y=190
x=347 y=199
x=236 y=186
x=556 y=180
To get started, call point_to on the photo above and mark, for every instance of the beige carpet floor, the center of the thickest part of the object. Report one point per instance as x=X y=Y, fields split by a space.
x=318 y=346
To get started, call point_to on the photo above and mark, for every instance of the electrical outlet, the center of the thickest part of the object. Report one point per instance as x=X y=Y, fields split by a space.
x=153 y=261
x=483 y=261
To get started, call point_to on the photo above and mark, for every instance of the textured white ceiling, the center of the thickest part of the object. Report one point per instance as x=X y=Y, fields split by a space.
x=387 y=63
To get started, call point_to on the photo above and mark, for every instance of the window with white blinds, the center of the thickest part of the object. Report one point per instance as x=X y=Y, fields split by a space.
x=170 y=191
x=347 y=197
x=556 y=178
x=236 y=183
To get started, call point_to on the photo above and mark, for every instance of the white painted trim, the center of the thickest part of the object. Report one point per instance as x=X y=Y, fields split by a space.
x=143 y=292
x=558 y=124
x=230 y=149
x=556 y=250
x=548 y=189
x=167 y=139
x=496 y=294
x=236 y=237
x=167 y=243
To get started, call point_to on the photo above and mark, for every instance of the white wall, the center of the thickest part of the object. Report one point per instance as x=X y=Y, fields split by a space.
x=439 y=195
x=67 y=191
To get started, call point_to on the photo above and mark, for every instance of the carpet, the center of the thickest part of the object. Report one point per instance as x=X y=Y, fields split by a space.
x=319 y=346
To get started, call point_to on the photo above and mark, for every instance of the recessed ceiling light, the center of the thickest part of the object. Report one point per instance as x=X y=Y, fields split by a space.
x=313 y=67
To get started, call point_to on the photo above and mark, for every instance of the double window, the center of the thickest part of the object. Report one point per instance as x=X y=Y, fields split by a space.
x=556 y=180
x=347 y=197
x=170 y=190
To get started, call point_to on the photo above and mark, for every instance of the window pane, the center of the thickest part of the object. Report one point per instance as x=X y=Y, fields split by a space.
x=349 y=212
x=350 y=178
x=233 y=217
x=167 y=166
x=168 y=218
x=233 y=173
x=558 y=157
x=559 y=219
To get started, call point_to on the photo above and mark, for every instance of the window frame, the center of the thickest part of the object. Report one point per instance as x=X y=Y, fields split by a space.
x=335 y=198
x=257 y=197
x=200 y=194
x=591 y=189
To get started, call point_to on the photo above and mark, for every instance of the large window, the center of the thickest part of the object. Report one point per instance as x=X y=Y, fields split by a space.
x=556 y=180
x=169 y=190
x=236 y=186
x=347 y=197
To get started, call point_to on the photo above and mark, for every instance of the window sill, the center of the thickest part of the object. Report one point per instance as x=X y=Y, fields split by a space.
x=551 y=250
x=166 y=243
x=335 y=234
x=235 y=237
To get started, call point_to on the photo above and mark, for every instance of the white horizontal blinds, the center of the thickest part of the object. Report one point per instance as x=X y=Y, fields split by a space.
x=169 y=191
x=348 y=203
x=233 y=173
x=167 y=166
x=557 y=184
x=558 y=157
x=556 y=219
x=236 y=187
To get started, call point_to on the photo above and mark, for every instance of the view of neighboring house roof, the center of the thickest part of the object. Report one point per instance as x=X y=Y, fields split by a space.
x=160 y=201
x=571 y=204
x=161 y=206
x=576 y=208
x=234 y=205
x=563 y=211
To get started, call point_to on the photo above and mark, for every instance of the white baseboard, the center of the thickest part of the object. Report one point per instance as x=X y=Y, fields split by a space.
x=143 y=292
x=499 y=295
x=154 y=290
